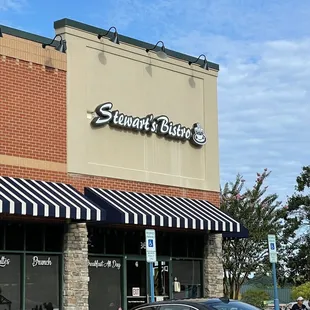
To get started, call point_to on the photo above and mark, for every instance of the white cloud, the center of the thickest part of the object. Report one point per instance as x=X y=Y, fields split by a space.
x=14 y=5
x=263 y=49
x=263 y=105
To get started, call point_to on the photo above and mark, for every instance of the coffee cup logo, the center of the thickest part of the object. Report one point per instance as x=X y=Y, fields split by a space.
x=198 y=137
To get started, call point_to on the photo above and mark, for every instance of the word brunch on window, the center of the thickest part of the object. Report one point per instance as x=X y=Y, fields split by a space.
x=160 y=125
x=41 y=262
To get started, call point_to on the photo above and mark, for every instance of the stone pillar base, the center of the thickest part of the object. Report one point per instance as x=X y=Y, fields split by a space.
x=213 y=266
x=75 y=295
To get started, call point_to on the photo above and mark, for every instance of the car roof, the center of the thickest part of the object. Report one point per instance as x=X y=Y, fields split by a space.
x=197 y=302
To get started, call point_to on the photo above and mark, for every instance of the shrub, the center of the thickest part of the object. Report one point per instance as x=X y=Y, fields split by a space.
x=255 y=297
x=301 y=290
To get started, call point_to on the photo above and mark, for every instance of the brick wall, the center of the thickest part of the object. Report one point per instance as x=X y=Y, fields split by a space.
x=80 y=181
x=33 y=110
x=33 y=126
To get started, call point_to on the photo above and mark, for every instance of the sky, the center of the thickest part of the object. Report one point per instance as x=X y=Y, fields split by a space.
x=262 y=47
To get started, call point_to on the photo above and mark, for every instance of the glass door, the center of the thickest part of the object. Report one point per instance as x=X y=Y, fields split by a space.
x=138 y=281
x=137 y=288
x=161 y=273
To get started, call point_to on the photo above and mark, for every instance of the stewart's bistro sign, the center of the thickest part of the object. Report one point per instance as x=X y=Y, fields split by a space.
x=160 y=125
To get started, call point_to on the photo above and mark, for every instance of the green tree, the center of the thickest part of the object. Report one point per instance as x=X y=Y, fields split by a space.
x=261 y=214
x=255 y=297
x=260 y=281
x=302 y=290
x=298 y=221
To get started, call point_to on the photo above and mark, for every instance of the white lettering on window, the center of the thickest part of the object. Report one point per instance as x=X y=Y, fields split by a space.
x=41 y=262
x=4 y=261
x=104 y=264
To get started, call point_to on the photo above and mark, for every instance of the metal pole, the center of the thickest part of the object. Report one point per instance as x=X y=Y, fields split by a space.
x=275 y=287
x=152 y=282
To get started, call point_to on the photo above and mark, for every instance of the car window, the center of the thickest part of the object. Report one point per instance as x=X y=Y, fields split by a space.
x=148 y=308
x=232 y=305
x=176 y=307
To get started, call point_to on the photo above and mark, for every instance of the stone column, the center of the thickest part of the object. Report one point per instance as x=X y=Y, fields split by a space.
x=75 y=294
x=213 y=266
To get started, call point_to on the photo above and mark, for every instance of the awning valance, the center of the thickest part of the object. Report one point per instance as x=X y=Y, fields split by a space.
x=46 y=199
x=163 y=211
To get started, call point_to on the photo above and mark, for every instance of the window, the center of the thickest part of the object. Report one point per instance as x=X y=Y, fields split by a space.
x=96 y=240
x=42 y=281
x=42 y=272
x=176 y=307
x=10 y=272
x=196 y=245
x=163 y=243
x=230 y=305
x=114 y=242
x=14 y=237
x=187 y=245
x=34 y=237
x=54 y=235
x=161 y=279
x=104 y=283
x=189 y=274
x=2 y=236
x=133 y=241
x=179 y=245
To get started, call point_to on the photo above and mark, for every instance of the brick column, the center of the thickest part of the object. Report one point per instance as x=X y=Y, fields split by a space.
x=213 y=266
x=75 y=295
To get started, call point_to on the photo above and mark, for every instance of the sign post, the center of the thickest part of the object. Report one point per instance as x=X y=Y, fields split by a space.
x=273 y=258
x=151 y=257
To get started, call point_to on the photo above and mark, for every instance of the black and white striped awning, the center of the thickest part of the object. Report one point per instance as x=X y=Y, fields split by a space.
x=162 y=211
x=46 y=199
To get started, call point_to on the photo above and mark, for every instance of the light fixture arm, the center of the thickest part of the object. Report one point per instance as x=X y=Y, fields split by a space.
x=162 y=48
x=205 y=65
x=205 y=59
x=44 y=45
x=103 y=35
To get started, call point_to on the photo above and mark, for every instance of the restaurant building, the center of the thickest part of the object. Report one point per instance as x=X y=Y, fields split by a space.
x=101 y=138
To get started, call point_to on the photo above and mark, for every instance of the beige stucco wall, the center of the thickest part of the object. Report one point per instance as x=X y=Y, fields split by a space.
x=138 y=84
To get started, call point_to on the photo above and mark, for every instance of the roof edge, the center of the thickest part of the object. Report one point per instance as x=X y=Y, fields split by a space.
x=26 y=35
x=95 y=30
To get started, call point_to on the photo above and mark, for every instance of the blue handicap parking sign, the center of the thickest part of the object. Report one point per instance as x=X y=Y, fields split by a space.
x=272 y=246
x=150 y=243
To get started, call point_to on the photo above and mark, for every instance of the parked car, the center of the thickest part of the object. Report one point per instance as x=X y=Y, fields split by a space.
x=197 y=304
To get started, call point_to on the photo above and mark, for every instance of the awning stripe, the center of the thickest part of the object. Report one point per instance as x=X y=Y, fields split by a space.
x=221 y=214
x=221 y=224
x=46 y=199
x=163 y=211
x=165 y=218
x=205 y=213
x=198 y=219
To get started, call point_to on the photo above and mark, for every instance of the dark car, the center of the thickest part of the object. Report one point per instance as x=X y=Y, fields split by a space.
x=197 y=304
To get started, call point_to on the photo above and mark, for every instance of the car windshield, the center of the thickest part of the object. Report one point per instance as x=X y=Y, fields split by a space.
x=231 y=305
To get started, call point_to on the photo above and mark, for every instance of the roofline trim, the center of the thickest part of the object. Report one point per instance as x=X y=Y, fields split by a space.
x=88 y=28
x=27 y=35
